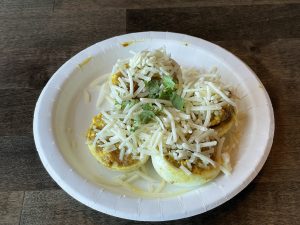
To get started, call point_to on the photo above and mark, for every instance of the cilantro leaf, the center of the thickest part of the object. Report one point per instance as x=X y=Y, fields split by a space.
x=151 y=107
x=148 y=113
x=136 y=124
x=145 y=117
x=117 y=105
x=168 y=82
x=153 y=87
x=148 y=106
x=168 y=92
x=130 y=102
x=165 y=94
x=177 y=101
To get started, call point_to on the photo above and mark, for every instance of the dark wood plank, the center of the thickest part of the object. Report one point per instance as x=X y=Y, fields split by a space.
x=20 y=167
x=16 y=111
x=35 y=43
x=221 y=23
x=279 y=207
x=136 y=4
x=57 y=29
x=268 y=58
x=10 y=207
x=276 y=64
x=32 y=67
x=282 y=164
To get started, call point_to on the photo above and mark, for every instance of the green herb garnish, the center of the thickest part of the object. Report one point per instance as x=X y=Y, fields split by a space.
x=148 y=106
x=167 y=92
x=145 y=116
x=177 y=101
x=153 y=87
x=148 y=113
x=168 y=82
x=130 y=102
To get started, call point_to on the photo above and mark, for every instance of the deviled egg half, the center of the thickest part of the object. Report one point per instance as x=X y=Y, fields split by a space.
x=148 y=74
x=108 y=142
x=193 y=150
x=189 y=164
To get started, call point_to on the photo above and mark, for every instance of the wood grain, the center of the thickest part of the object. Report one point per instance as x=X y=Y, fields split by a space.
x=37 y=42
x=276 y=64
x=56 y=207
x=20 y=167
x=221 y=23
x=279 y=207
x=16 y=112
x=89 y=5
x=39 y=36
x=11 y=204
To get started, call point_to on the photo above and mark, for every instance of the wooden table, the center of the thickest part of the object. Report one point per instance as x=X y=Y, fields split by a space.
x=37 y=37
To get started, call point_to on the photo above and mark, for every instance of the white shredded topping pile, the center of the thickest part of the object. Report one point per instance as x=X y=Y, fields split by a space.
x=130 y=76
x=156 y=113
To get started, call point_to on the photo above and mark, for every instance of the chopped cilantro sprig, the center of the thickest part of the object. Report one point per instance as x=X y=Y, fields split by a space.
x=165 y=88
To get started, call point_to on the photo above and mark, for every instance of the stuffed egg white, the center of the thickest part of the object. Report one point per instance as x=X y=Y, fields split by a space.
x=188 y=167
x=148 y=74
x=195 y=156
x=107 y=152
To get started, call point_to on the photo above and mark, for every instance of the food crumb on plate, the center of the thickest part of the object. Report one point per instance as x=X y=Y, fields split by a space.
x=84 y=62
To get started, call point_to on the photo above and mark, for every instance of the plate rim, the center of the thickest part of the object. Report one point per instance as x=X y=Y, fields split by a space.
x=69 y=65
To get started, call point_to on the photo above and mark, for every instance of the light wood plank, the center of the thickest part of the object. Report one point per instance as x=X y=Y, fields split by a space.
x=10 y=207
x=20 y=167
x=272 y=203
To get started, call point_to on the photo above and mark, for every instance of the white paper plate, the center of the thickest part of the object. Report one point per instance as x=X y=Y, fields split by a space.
x=62 y=116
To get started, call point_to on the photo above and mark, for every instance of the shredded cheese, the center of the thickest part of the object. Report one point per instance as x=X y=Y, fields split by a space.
x=184 y=169
x=186 y=134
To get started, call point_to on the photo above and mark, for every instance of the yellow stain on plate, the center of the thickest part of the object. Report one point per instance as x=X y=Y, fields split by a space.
x=127 y=43
x=84 y=62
